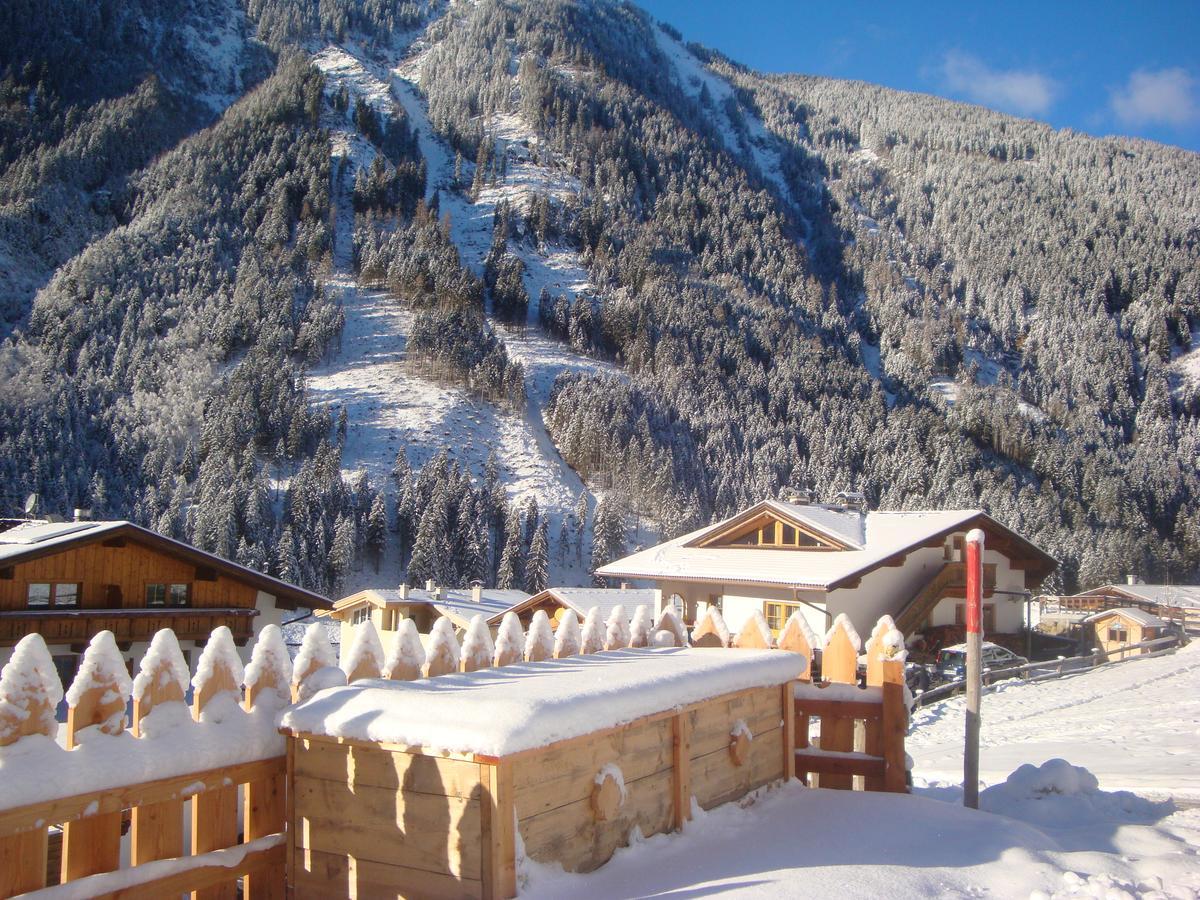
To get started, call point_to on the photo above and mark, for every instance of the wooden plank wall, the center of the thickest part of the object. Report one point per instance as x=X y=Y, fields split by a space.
x=131 y=566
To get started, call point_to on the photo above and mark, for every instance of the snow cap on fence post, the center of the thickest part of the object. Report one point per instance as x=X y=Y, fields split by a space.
x=406 y=656
x=566 y=636
x=315 y=653
x=755 y=633
x=669 y=625
x=100 y=690
x=592 y=637
x=269 y=674
x=477 y=648
x=539 y=642
x=442 y=656
x=162 y=676
x=510 y=641
x=364 y=658
x=218 y=672
x=712 y=630
x=639 y=629
x=29 y=692
x=616 y=629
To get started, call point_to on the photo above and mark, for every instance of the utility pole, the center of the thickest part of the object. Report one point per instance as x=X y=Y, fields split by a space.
x=975 y=540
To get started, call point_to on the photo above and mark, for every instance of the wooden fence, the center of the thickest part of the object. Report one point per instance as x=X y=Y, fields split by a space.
x=222 y=849
x=860 y=744
x=861 y=740
x=1055 y=668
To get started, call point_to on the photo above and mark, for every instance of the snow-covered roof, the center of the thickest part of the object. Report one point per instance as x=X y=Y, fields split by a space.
x=883 y=535
x=496 y=712
x=456 y=603
x=1178 y=595
x=1140 y=616
x=36 y=539
x=582 y=599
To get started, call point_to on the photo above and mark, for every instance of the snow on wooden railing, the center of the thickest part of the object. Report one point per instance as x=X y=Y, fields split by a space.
x=164 y=756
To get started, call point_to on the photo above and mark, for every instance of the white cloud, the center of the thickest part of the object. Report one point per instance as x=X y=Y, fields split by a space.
x=1024 y=92
x=1165 y=97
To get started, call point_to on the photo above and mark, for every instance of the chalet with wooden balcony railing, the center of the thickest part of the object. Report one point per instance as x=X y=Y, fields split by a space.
x=67 y=581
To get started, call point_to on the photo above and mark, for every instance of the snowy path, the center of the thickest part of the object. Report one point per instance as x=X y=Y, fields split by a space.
x=1135 y=725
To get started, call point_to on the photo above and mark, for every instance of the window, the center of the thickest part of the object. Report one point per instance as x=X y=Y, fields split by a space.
x=360 y=615
x=777 y=615
x=168 y=594
x=714 y=601
x=41 y=595
x=789 y=534
x=989 y=616
x=1117 y=634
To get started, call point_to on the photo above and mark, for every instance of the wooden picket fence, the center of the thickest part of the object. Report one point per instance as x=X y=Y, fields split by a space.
x=861 y=740
x=861 y=729
x=222 y=850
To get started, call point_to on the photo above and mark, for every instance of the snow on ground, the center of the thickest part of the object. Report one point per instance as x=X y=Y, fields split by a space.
x=1134 y=724
x=1047 y=828
x=797 y=842
x=220 y=45
x=1186 y=366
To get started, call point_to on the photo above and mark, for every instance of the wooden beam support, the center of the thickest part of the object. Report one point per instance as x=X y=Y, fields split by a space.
x=681 y=770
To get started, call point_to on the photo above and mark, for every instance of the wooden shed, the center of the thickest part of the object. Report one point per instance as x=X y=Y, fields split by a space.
x=420 y=788
x=1113 y=629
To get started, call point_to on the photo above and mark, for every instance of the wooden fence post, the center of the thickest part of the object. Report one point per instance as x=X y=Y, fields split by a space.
x=157 y=828
x=839 y=665
x=29 y=692
x=895 y=727
x=711 y=632
x=214 y=813
x=798 y=637
x=681 y=770
x=264 y=808
x=97 y=697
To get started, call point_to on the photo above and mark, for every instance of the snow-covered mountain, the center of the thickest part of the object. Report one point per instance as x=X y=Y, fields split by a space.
x=253 y=252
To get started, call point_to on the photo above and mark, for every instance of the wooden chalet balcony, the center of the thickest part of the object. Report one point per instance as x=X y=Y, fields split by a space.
x=77 y=626
x=950 y=581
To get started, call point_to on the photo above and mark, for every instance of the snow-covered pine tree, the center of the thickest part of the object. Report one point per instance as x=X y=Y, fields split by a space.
x=377 y=528
x=512 y=560
x=537 y=564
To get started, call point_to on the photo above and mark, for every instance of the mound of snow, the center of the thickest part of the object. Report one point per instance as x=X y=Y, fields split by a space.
x=1057 y=794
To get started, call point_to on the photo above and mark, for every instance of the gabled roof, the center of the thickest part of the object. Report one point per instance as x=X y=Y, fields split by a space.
x=1177 y=595
x=38 y=539
x=582 y=599
x=1133 y=615
x=457 y=604
x=879 y=538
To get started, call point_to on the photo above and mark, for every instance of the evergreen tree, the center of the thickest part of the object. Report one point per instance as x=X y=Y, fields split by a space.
x=512 y=561
x=537 y=564
x=377 y=527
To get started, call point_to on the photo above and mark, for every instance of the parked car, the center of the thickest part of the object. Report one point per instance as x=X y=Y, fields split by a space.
x=952 y=661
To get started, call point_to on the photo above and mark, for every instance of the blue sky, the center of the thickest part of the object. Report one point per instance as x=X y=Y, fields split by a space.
x=1102 y=67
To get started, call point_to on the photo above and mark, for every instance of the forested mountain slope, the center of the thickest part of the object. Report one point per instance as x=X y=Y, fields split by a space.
x=803 y=280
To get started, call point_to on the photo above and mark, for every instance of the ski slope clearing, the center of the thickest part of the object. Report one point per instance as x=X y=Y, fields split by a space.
x=802 y=843
x=1135 y=725
x=388 y=408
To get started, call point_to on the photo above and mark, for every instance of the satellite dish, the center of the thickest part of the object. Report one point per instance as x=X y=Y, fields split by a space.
x=31 y=503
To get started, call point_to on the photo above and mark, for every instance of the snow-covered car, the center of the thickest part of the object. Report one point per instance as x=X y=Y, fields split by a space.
x=951 y=662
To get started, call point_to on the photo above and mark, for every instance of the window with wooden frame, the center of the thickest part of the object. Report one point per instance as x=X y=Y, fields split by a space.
x=360 y=615
x=988 y=619
x=1117 y=634
x=777 y=615
x=57 y=595
x=767 y=531
x=166 y=594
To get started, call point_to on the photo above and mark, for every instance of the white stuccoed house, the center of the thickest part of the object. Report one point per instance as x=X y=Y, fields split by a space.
x=784 y=556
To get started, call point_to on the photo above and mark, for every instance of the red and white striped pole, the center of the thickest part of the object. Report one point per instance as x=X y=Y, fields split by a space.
x=975 y=539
